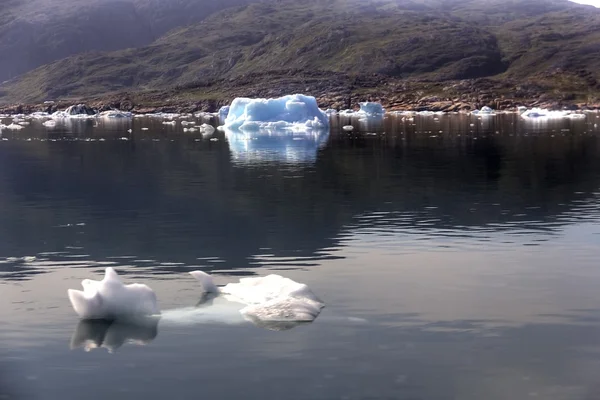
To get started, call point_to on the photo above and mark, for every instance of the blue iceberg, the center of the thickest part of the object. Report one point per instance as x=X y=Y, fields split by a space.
x=292 y=112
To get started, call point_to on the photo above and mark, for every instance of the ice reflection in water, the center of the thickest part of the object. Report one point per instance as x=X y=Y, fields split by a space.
x=275 y=146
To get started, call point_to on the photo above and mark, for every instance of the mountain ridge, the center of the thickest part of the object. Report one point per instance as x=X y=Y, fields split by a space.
x=550 y=43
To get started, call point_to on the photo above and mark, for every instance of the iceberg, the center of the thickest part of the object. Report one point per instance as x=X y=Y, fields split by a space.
x=272 y=298
x=371 y=109
x=292 y=112
x=110 y=299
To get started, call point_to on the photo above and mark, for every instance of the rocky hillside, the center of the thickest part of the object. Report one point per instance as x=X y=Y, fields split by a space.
x=536 y=42
x=37 y=32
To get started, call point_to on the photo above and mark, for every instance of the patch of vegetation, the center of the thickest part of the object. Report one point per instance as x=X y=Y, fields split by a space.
x=549 y=42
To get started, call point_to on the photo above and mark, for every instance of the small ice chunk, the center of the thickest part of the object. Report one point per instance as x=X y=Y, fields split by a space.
x=49 y=124
x=223 y=112
x=272 y=298
x=110 y=299
x=371 y=109
x=79 y=109
x=208 y=285
x=348 y=128
x=14 y=127
x=115 y=114
x=542 y=113
x=275 y=298
x=287 y=112
x=485 y=110
x=207 y=129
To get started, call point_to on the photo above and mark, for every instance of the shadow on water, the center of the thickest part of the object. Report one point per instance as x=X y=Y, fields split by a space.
x=166 y=196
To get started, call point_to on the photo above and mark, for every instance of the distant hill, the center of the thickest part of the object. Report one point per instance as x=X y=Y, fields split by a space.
x=549 y=41
x=37 y=32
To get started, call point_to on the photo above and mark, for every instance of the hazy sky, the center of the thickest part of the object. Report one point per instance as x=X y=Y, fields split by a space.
x=595 y=3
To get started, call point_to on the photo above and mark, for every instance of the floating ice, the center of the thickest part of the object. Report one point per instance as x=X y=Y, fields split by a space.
x=223 y=112
x=207 y=129
x=110 y=299
x=49 y=124
x=542 y=113
x=206 y=281
x=371 y=109
x=348 y=128
x=297 y=111
x=275 y=298
x=80 y=109
x=485 y=110
x=14 y=127
x=115 y=114
x=272 y=298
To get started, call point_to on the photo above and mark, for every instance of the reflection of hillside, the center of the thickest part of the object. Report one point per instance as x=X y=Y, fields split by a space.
x=183 y=199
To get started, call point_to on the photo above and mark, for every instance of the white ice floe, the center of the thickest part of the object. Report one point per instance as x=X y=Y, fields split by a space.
x=348 y=128
x=65 y=115
x=110 y=299
x=206 y=281
x=115 y=114
x=49 y=124
x=543 y=113
x=485 y=110
x=39 y=115
x=160 y=115
x=274 y=298
x=295 y=112
x=271 y=298
x=170 y=123
x=14 y=127
x=371 y=109
x=207 y=129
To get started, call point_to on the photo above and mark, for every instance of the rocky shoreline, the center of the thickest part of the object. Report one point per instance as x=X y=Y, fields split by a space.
x=337 y=92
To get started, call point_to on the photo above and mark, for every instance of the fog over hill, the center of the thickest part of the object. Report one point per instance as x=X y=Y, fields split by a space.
x=36 y=32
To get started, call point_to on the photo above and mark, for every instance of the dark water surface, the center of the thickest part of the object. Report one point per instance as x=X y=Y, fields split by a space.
x=458 y=258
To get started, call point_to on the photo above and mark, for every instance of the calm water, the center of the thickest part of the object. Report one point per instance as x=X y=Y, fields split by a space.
x=458 y=259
